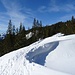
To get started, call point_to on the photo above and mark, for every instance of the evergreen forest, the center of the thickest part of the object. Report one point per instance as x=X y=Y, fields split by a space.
x=16 y=38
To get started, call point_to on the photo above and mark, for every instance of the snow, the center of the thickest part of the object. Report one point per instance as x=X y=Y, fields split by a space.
x=29 y=35
x=58 y=35
x=54 y=55
x=2 y=36
x=63 y=57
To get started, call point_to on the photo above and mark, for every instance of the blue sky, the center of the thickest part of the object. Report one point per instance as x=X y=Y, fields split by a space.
x=48 y=11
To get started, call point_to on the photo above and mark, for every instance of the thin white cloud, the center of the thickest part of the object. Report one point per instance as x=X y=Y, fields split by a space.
x=3 y=28
x=3 y=22
x=66 y=17
x=68 y=7
x=14 y=12
x=42 y=9
x=53 y=6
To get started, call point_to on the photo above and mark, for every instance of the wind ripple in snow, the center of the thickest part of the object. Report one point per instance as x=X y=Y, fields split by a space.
x=39 y=55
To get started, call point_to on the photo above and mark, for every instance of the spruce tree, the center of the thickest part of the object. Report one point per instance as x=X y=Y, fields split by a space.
x=17 y=31
x=40 y=23
x=8 y=41
x=21 y=27
x=37 y=23
x=9 y=30
x=73 y=18
x=34 y=23
x=13 y=30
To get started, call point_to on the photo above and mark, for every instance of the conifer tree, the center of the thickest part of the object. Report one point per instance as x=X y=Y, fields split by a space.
x=9 y=30
x=37 y=23
x=8 y=41
x=34 y=23
x=21 y=27
x=13 y=30
x=17 y=31
x=40 y=23
x=73 y=20
x=23 y=32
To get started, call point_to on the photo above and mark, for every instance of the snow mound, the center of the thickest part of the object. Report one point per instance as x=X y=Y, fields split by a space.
x=52 y=56
x=63 y=57
x=58 y=35
x=56 y=53
x=40 y=56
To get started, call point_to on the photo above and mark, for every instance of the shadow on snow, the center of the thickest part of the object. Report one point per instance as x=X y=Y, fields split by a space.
x=39 y=55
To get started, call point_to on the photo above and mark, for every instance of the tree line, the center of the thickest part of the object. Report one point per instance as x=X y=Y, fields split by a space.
x=16 y=37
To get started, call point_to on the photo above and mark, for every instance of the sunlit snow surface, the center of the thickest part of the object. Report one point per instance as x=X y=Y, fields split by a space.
x=52 y=56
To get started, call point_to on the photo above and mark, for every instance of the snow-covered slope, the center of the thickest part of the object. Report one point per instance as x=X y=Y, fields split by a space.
x=63 y=57
x=52 y=56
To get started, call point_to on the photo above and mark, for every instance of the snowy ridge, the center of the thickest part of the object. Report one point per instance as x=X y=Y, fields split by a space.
x=52 y=56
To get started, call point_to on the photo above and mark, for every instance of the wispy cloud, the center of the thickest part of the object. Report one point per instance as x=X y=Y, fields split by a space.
x=68 y=7
x=66 y=17
x=3 y=22
x=3 y=28
x=15 y=12
x=42 y=9
x=53 y=6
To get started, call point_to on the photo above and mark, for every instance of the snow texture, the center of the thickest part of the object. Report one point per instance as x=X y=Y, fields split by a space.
x=54 y=55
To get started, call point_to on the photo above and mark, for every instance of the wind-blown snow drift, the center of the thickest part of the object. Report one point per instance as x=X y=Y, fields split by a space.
x=40 y=56
x=63 y=57
x=56 y=54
